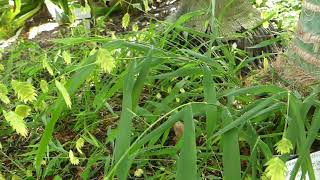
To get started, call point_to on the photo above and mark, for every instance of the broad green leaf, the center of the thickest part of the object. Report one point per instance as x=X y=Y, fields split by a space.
x=16 y=122
x=25 y=91
x=126 y=20
x=64 y=93
x=105 y=60
x=23 y=110
x=73 y=159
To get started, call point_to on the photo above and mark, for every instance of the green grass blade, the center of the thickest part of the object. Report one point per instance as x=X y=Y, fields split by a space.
x=249 y=114
x=125 y=125
x=312 y=134
x=141 y=80
x=231 y=152
x=210 y=96
x=187 y=163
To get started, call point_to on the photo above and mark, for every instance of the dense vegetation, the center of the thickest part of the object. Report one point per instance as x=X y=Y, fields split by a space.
x=155 y=101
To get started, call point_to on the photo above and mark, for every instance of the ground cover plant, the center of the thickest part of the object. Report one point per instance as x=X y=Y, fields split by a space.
x=161 y=101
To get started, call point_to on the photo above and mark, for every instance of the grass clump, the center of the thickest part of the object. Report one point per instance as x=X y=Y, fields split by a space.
x=104 y=107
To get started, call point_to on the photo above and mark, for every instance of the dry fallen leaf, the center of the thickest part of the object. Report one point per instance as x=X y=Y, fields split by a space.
x=178 y=128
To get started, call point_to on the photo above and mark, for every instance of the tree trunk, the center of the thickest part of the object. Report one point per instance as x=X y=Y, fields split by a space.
x=302 y=63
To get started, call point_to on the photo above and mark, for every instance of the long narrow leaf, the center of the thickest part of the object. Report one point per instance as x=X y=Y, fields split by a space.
x=125 y=125
x=231 y=152
x=210 y=96
x=187 y=163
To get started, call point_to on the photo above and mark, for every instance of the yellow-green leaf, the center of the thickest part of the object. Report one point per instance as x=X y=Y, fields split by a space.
x=105 y=60
x=284 y=146
x=3 y=94
x=66 y=56
x=265 y=64
x=1 y=67
x=44 y=86
x=259 y=2
x=135 y=28
x=73 y=159
x=40 y=105
x=79 y=145
x=64 y=93
x=24 y=90
x=23 y=110
x=46 y=64
x=2 y=177
x=16 y=122
x=126 y=20
x=275 y=169
x=138 y=173
x=146 y=5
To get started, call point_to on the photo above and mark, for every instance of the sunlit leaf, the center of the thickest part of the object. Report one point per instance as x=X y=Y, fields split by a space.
x=105 y=60
x=44 y=86
x=3 y=94
x=126 y=20
x=259 y=2
x=138 y=173
x=23 y=110
x=79 y=145
x=66 y=57
x=275 y=169
x=146 y=5
x=135 y=28
x=284 y=146
x=46 y=64
x=24 y=90
x=64 y=93
x=73 y=159
x=16 y=122
x=1 y=67
x=2 y=177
